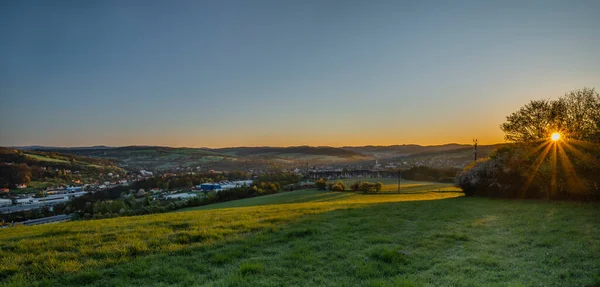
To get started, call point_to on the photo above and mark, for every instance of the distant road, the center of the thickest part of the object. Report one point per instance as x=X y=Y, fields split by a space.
x=50 y=219
x=25 y=207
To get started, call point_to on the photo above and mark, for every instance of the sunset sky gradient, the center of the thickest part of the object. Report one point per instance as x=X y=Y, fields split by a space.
x=283 y=73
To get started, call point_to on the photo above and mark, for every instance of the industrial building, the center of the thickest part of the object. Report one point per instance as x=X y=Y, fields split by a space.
x=224 y=185
x=5 y=202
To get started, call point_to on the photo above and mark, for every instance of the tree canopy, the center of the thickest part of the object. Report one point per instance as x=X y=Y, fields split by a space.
x=575 y=115
x=536 y=167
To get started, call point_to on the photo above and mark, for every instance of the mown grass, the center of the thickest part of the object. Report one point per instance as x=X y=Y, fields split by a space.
x=319 y=238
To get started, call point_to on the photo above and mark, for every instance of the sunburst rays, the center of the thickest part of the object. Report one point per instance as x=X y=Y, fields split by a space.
x=560 y=153
x=532 y=172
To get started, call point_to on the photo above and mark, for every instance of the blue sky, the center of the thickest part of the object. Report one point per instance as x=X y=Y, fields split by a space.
x=281 y=73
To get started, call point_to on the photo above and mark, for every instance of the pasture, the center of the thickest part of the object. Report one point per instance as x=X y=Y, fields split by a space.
x=390 y=185
x=423 y=237
x=59 y=159
x=45 y=158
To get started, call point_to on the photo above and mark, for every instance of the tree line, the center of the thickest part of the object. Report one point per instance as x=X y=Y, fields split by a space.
x=121 y=201
x=363 y=186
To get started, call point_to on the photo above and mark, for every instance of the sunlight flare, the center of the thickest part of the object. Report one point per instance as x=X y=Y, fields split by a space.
x=536 y=166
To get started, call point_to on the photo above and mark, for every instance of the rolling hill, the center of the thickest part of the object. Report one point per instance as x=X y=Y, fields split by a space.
x=166 y=158
x=39 y=169
x=290 y=151
x=429 y=235
x=52 y=158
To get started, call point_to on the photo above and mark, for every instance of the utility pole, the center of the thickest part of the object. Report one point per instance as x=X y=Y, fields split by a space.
x=399 y=176
x=475 y=149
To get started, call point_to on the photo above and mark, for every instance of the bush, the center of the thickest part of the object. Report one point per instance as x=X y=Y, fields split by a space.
x=524 y=171
x=321 y=184
x=342 y=185
x=338 y=187
x=368 y=187
x=378 y=186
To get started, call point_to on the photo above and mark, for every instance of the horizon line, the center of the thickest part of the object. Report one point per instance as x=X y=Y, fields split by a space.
x=226 y=147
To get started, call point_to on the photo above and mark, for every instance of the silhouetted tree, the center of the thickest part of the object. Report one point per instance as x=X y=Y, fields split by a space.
x=576 y=115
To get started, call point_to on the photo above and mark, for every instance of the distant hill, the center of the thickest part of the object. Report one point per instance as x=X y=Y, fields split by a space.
x=289 y=151
x=456 y=158
x=51 y=148
x=40 y=169
x=165 y=158
x=151 y=157
x=50 y=158
x=402 y=150
x=482 y=151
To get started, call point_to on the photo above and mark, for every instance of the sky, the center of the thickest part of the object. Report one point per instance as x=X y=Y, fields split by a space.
x=284 y=73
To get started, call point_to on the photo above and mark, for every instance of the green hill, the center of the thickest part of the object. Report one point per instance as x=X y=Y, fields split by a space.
x=165 y=158
x=40 y=169
x=426 y=236
x=290 y=151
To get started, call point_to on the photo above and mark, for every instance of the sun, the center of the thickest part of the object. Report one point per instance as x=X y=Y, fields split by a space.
x=555 y=136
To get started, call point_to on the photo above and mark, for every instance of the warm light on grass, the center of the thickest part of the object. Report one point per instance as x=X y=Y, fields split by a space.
x=555 y=136
x=290 y=237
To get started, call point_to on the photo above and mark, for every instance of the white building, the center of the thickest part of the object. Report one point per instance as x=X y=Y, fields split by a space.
x=234 y=184
x=25 y=200
x=5 y=202
x=180 y=196
x=50 y=198
x=146 y=173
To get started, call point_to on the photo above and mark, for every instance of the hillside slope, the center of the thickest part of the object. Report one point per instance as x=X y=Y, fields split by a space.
x=40 y=169
x=319 y=238
x=165 y=158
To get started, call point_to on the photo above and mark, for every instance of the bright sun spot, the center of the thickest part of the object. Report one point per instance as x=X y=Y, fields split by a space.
x=555 y=136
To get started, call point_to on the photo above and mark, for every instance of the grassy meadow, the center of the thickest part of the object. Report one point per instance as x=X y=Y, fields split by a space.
x=390 y=185
x=427 y=236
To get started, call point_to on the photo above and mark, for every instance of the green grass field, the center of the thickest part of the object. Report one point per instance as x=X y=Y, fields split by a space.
x=390 y=185
x=315 y=238
x=58 y=160
x=45 y=158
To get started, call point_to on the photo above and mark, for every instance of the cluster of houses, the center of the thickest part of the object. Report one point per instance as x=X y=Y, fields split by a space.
x=62 y=194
